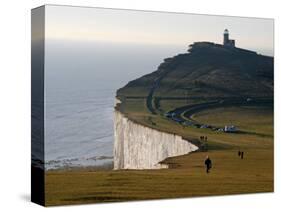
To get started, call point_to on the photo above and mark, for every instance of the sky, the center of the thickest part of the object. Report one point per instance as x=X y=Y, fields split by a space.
x=155 y=28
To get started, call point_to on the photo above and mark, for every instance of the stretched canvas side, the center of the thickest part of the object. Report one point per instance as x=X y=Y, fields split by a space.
x=37 y=105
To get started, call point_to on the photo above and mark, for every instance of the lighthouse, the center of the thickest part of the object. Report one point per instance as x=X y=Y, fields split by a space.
x=225 y=36
x=226 y=41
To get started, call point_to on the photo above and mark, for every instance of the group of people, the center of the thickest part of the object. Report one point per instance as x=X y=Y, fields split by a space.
x=203 y=138
x=208 y=161
x=241 y=154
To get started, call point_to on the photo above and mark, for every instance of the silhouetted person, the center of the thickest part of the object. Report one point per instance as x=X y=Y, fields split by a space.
x=242 y=155
x=239 y=153
x=208 y=164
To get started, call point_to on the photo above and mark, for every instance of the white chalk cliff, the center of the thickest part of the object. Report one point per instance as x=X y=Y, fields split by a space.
x=140 y=147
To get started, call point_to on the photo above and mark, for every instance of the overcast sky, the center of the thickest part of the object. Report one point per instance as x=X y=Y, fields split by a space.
x=159 y=28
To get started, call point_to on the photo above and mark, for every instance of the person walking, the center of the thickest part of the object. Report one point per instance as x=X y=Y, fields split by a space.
x=208 y=164
x=242 y=155
x=239 y=153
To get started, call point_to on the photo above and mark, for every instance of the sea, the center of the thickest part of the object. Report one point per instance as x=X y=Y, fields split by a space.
x=81 y=79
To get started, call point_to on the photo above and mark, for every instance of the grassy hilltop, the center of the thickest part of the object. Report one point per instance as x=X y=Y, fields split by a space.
x=210 y=85
x=208 y=70
x=207 y=73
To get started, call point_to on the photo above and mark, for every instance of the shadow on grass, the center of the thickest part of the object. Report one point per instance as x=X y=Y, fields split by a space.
x=254 y=133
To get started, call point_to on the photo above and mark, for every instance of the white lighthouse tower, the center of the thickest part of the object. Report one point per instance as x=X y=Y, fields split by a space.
x=226 y=41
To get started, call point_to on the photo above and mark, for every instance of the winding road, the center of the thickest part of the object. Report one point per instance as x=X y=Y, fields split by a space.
x=183 y=114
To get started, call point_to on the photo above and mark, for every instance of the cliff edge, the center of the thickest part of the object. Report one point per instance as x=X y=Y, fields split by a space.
x=140 y=147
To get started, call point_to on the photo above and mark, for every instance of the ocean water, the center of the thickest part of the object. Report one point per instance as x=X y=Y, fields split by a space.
x=79 y=127
x=81 y=79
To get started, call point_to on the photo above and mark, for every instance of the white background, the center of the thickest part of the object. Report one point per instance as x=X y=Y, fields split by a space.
x=15 y=104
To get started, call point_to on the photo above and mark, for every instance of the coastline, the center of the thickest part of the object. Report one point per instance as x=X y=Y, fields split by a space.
x=104 y=167
x=242 y=177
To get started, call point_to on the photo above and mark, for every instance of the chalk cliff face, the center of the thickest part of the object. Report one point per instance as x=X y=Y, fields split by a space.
x=140 y=147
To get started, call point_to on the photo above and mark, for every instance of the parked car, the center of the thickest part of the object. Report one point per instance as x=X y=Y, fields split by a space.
x=230 y=128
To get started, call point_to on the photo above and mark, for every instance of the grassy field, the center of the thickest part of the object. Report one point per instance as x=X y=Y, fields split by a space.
x=256 y=124
x=186 y=176
x=245 y=117
x=230 y=175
